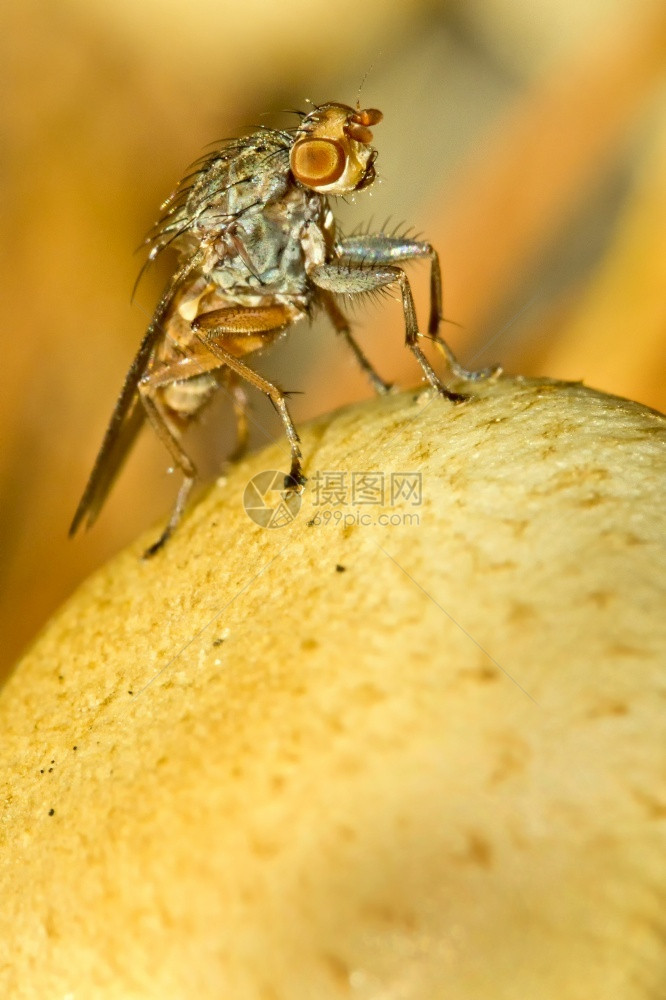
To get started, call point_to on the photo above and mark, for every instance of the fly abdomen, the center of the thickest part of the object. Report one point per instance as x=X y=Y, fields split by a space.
x=185 y=398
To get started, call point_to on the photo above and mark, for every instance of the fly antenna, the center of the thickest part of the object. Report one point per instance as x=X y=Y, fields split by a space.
x=362 y=83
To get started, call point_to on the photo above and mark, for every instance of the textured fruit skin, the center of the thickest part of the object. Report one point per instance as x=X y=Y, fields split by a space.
x=441 y=764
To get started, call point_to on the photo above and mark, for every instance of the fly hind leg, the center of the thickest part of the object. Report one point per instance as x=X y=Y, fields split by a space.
x=173 y=394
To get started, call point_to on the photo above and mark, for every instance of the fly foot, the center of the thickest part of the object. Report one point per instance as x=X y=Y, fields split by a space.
x=482 y=375
x=156 y=546
x=295 y=481
x=453 y=397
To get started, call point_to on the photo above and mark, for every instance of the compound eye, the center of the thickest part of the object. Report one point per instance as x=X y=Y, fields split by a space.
x=317 y=162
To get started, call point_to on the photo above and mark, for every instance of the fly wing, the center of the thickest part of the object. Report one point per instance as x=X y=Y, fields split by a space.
x=124 y=425
x=128 y=414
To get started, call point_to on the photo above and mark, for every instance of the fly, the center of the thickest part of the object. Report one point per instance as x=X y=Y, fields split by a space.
x=258 y=251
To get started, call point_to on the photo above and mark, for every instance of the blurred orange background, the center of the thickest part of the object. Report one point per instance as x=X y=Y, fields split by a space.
x=526 y=140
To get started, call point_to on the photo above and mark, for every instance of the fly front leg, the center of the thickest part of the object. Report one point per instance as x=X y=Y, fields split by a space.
x=372 y=249
x=379 y=249
x=457 y=369
x=222 y=328
x=343 y=279
x=341 y=324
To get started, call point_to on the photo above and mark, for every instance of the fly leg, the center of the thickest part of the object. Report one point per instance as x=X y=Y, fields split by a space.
x=457 y=369
x=361 y=251
x=239 y=402
x=224 y=328
x=169 y=417
x=341 y=324
x=175 y=518
x=340 y=277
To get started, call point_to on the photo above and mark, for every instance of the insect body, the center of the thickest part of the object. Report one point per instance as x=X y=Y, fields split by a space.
x=258 y=252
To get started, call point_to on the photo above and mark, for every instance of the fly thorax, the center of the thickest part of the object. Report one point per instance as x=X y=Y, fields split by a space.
x=314 y=246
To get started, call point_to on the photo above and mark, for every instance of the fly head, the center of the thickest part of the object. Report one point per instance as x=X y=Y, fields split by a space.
x=331 y=153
